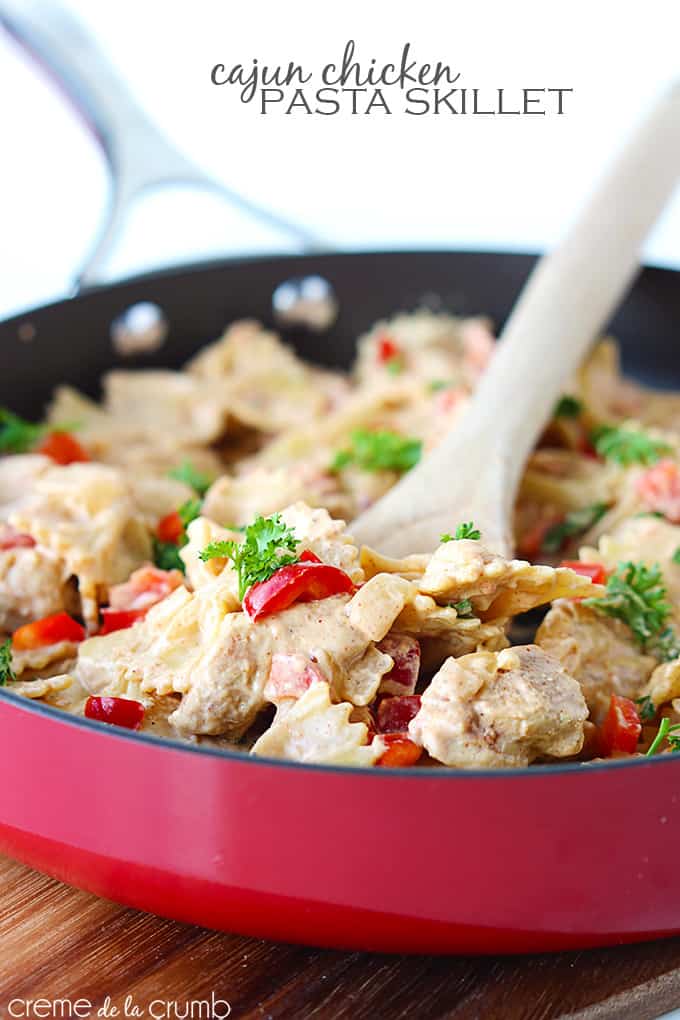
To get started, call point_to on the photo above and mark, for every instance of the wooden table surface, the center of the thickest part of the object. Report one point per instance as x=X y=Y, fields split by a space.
x=57 y=942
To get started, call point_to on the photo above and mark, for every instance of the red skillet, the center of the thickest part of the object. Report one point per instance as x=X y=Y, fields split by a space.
x=406 y=860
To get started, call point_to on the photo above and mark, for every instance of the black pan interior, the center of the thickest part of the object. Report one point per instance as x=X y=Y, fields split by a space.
x=70 y=341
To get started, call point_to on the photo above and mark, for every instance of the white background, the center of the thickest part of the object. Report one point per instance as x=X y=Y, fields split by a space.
x=359 y=181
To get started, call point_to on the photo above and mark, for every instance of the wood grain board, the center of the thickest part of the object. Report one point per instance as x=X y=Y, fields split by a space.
x=59 y=942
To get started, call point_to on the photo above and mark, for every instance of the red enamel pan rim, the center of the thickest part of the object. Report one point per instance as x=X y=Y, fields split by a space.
x=60 y=717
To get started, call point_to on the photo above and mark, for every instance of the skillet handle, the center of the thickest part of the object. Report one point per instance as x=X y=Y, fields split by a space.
x=139 y=156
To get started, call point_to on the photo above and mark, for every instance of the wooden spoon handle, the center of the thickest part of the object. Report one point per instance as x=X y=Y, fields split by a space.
x=574 y=290
x=567 y=300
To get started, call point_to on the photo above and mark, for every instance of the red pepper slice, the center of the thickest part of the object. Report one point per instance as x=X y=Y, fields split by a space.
x=621 y=728
x=595 y=571
x=11 y=539
x=387 y=349
x=63 y=448
x=405 y=653
x=531 y=542
x=401 y=752
x=115 y=711
x=307 y=556
x=119 y=619
x=394 y=714
x=48 y=631
x=298 y=582
x=170 y=528
x=586 y=447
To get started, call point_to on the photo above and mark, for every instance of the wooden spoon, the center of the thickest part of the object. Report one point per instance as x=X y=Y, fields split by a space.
x=569 y=297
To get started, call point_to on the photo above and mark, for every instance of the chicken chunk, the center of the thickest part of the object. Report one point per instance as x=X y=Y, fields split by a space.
x=596 y=650
x=196 y=645
x=500 y=710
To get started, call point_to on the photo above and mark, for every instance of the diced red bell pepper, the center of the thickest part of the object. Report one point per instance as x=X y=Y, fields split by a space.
x=144 y=588
x=394 y=714
x=298 y=582
x=387 y=349
x=307 y=556
x=530 y=543
x=621 y=728
x=659 y=487
x=115 y=711
x=63 y=448
x=11 y=539
x=48 y=631
x=119 y=619
x=400 y=752
x=595 y=571
x=586 y=447
x=170 y=528
x=405 y=653
x=290 y=676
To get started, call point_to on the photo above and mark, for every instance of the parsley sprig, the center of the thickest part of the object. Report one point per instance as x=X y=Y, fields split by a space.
x=465 y=530
x=20 y=436
x=166 y=555
x=268 y=544
x=568 y=407
x=628 y=446
x=6 y=671
x=379 y=451
x=646 y=708
x=191 y=476
x=575 y=523
x=671 y=734
x=636 y=594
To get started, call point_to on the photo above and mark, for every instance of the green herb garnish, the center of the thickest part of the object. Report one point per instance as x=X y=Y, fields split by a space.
x=379 y=451
x=464 y=607
x=395 y=366
x=568 y=407
x=575 y=523
x=670 y=733
x=676 y=556
x=166 y=555
x=189 y=511
x=665 y=646
x=20 y=436
x=636 y=595
x=465 y=530
x=627 y=446
x=188 y=474
x=646 y=708
x=6 y=671
x=435 y=385
x=268 y=545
